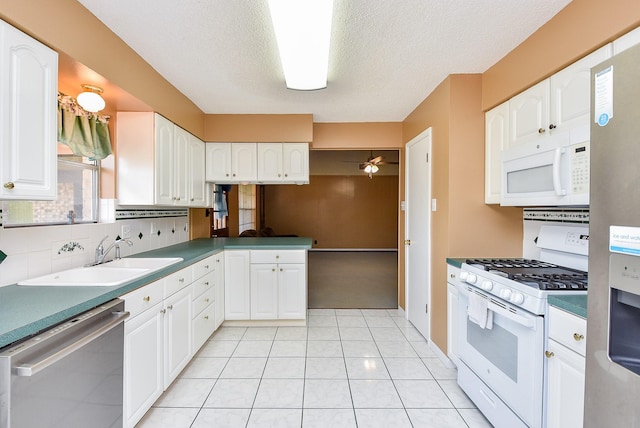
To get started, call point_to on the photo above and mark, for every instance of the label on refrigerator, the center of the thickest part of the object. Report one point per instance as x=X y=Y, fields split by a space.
x=624 y=240
x=603 y=105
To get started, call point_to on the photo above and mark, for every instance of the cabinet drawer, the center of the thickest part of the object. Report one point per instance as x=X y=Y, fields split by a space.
x=138 y=301
x=568 y=329
x=201 y=285
x=277 y=256
x=177 y=281
x=203 y=327
x=201 y=302
x=203 y=267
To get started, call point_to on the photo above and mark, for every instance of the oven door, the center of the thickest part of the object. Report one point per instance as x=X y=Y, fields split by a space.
x=507 y=357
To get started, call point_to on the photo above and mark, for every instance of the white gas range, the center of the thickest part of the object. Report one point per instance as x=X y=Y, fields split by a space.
x=501 y=309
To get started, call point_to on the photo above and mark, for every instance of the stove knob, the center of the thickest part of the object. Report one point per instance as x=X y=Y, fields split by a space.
x=517 y=298
x=505 y=293
x=464 y=275
x=486 y=285
x=472 y=278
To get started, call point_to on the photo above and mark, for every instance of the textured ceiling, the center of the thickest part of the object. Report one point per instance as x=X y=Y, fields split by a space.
x=386 y=56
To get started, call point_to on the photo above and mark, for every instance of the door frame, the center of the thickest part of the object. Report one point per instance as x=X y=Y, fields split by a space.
x=428 y=135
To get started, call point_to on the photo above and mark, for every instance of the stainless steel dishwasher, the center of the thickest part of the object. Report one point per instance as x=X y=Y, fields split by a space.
x=68 y=376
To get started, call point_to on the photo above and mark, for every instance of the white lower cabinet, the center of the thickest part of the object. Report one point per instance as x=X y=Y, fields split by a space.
x=219 y=289
x=566 y=369
x=177 y=324
x=266 y=285
x=453 y=279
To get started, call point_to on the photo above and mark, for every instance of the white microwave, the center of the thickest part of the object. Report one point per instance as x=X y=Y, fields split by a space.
x=546 y=176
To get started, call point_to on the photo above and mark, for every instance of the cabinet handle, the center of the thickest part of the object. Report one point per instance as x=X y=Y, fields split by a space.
x=206 y=266
x=453 y=276
x=548 y=354
x=578 y=337
x=9 y=185
x=163 y=311
x=181 y=280
x=541 y=131
x=407 y=242
x=206 y=317
x=206 y=283
x=170 y=307
x=552 y=126
x=146 y=298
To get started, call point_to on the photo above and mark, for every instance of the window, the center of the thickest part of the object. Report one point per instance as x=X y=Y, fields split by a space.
x=246 y=207
x=219 y=213
x=77 y=200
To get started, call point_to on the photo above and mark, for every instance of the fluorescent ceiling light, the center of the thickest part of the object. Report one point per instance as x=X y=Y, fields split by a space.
x=303 y=32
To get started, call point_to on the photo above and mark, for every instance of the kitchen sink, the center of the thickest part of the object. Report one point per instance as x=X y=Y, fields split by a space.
x=108 y=274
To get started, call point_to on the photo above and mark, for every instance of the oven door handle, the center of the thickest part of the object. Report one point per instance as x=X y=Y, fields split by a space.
x=523 y=321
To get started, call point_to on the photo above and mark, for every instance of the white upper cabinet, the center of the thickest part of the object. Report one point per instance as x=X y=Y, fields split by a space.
x=283 y=163
x=559 y=105
x=28 y=117
x=571 y=96
x=529 y=115
x=496 y=140
x=231 y=163
x=159 y=163
x=623 y=43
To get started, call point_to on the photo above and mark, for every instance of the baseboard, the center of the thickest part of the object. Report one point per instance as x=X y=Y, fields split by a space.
x=441 y=355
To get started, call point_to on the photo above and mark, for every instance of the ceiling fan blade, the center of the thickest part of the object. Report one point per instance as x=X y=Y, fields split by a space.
x=388 y=163
x=375 y=160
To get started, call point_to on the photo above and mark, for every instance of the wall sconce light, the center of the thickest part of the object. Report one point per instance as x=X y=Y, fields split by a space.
x=90 y=98
x=303 y=32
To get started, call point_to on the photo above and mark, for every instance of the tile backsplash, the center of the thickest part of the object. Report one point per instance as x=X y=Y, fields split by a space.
x=36 y=251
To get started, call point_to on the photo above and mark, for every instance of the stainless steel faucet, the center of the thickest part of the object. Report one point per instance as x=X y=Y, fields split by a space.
x=101 y=253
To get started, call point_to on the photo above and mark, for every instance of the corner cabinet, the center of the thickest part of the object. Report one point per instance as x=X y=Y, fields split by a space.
x=28 y=117
x=566 y=350
x=496 y=140
x=159 y=163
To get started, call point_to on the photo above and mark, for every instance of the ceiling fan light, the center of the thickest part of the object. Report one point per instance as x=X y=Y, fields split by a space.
x=374 y=168
x=303 y=33
x=90 y=99
x=368 y=169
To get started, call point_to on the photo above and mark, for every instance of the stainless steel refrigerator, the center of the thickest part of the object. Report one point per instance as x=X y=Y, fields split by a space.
x=613 y=315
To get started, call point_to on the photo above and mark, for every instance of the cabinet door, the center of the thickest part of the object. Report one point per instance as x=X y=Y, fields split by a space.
x=565 y=390
x=219 y=287
x=295 y=162
x=570 y=98
x=164 y=161
x=181 y=170
x=244 y=164
x=264 y=291
x=237 y=292
x=270 y=162
x=177 y=334
x=496 y=140
x=28 y=117
x=624 y=42
x=143 y=363
x=529 y=115
x=195 y=173
x=218 y=162
x=292 y=291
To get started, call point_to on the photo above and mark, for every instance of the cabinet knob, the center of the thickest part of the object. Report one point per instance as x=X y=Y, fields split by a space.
x=192 y=199
x=453 y=276
x=578 y=337
x=163 y=311
x=206 y=283
x=206 y=266
x=170 y=307
x=9 y=185
x=227 y=174
x=234 y=175
x=146 y=298
x=548 y=354
x=206 y=300
x=407 y=242
x=281 y=270
x=273 y=270
x=541 y=131
x=279 y=175
x=286 y=175
x=206 y=317
x=181 y=280
x=552 y=126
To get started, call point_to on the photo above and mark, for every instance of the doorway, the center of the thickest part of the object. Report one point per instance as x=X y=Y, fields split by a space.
x=418 y=230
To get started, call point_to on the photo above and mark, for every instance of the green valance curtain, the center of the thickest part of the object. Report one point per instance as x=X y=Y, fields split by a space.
x=86 y=134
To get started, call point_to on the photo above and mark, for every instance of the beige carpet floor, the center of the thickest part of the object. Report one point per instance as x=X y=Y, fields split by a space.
x=353 y=279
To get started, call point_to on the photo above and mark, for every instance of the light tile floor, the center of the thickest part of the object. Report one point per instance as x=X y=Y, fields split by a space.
x=347 y=368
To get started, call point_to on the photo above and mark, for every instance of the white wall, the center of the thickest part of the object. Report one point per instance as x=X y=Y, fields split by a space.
x=36 y=251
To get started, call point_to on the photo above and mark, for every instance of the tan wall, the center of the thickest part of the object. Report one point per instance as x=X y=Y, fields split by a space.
x=278 y=128
x=337 y=211
x=462 y=226
x=369 y=135
x=581 y=27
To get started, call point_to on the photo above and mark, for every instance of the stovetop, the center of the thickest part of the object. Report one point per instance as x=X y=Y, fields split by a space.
x=534 y=273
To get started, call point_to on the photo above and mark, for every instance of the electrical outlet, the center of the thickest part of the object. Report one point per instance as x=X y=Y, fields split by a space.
x=154 y=228
x=126 y=231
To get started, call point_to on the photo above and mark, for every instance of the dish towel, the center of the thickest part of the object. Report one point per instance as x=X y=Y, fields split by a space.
x=478 y=311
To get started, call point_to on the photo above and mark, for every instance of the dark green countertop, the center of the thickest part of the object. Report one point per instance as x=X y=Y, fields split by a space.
x=26 y=310
x=574 y=304
x=455 y=261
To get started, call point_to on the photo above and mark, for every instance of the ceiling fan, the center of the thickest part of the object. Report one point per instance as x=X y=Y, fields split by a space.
x=371 y=165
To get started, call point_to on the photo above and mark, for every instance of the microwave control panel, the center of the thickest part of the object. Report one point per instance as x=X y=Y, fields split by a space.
x=580 y=168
